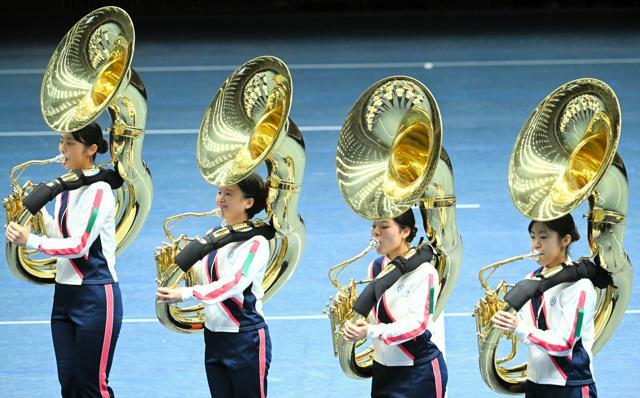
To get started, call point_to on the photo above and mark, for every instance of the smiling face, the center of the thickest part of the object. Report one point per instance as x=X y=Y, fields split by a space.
x=77 y=156
x=549 y=243
x=392 y=237
x=231 y=201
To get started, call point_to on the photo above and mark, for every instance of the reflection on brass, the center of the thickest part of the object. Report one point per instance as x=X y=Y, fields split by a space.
x=565 y=154
x=390 y=158
x=88 y=73
x=246 y=124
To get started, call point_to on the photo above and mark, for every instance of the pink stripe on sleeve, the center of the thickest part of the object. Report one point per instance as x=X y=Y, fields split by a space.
x=221 y=290
x=423 y=325
x=556 y=347
x=85 y=235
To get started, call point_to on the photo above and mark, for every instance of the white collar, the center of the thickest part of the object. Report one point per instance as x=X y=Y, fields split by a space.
x=90 y=172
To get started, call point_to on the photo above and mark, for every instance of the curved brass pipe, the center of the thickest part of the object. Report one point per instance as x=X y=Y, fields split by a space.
x=88 y=73
x=390 y=158
x=565 y=155
x=246 y=124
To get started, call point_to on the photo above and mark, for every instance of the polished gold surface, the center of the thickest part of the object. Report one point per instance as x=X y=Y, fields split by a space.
x=388 y=148
x=246 y=124
x=488 y=338
x=356 y=358
x=39 y=269
x=564 y=149
x=88 y=73
x=169 y=222
x=87 y=68
x=178 y=317
x=246 y=119
x=564 y=155
x=390 y=158
x=340 y=309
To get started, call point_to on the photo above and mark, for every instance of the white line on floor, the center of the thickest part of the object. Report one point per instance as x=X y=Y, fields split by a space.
x=531 y=62
x=304 y=129
x=368 y=65
x=269 y=318
x=468 y=206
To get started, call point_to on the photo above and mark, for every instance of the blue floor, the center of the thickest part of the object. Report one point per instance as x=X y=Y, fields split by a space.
x=483 y=109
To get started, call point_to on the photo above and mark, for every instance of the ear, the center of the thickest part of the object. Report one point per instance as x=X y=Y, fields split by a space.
x=92 y=149
x=404 y=232
x=565 y=241
x=248 y=203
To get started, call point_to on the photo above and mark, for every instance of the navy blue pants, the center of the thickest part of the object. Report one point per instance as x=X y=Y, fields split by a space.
x=427 y=379
x=85 y=324
x=237 y=364
x=533 y=390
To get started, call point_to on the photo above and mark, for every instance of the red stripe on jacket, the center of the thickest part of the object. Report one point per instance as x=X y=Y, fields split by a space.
x=85 y=235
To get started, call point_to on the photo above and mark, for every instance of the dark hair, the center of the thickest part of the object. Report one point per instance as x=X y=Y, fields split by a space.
x=253 y=186
x=89 y=135
x=407 y=220
x=563 y=226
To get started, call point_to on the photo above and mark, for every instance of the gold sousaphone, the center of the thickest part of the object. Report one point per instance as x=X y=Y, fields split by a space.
x=90 y=72
x=564 y=155
x=390 y=158
x=247 y=123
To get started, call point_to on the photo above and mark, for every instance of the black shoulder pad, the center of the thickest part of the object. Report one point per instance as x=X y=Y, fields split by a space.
x=526 y=289
x=198 y=248
x=43 y=193
x=376 y=288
